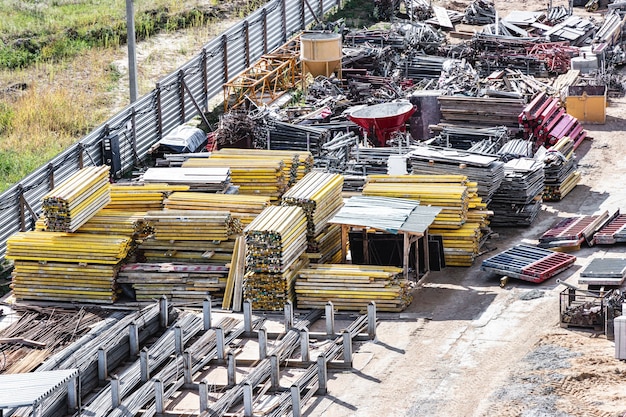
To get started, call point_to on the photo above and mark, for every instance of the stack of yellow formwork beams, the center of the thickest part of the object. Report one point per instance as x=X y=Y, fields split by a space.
x=319 y=195
x=297 y=163
x=463 y=220
x=242 y=207
x=275 y=240
x=178 y=282
x=326 y=247
x=141 y=197
x=352 y=287
x=192 y=225
x=251 y=176
x=72 y=203
x=117 y=222
x=187 y=251
x=57 y=266
x=450 y=192
x=271 y=291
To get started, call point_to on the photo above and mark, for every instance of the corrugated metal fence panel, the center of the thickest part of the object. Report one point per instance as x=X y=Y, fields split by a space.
x=256 y=38
x=294 y=15
x=145 y=123
x=193 y=78
x=9 y=217
x=170 y=102
x=329 y=5
x=275 y=29
x=215 y=69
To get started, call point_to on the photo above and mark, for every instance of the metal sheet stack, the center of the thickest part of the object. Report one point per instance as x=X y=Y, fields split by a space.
x=197 y=225
x=141 y=196
x=518 y=200
x=197 y=177
x=58 y=266
x=77 y=199
x=297 y=163
x=352 y=287
x=319 y=196
x=241 y=207
x=604 y=271
x=275 y=243
x=463 y=220
x=614 y=231
x=251 y=176
x=178 y=282
x=487 y=171
x=560 y=166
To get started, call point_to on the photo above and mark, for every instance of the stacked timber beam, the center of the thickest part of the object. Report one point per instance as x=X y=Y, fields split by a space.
x=185 y=257
x=58 y=266
x=242 y=207
x=72 y=203
x=297 y=163
x=518 y=200
x=463 y=220
x=319 y=196
x=275 y=243
x=561 y=175
x=251 y=176
x=480 y=111
x=546 y=121
x=614 y=231
x=352 y=287
x=141 y=196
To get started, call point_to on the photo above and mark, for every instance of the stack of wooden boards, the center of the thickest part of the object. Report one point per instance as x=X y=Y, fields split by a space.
x=275 y=242
x=352 y=287
x=463 y=219
x=72 y=203
x=319 y=196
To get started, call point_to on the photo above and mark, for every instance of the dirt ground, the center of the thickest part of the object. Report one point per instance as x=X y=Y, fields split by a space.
x=467 y=347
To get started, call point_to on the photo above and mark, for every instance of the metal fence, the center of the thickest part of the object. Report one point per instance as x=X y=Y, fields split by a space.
x=176 y=98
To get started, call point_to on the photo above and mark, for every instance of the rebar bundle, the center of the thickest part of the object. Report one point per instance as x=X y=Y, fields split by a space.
x=241 y=207
x=197 y=225
x=72 y=203
x=352 y=287
x=256 y=177
x=140 y=196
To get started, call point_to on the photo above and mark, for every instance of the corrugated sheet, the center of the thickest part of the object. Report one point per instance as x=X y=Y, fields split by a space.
x=392 y=215
x=22 y=390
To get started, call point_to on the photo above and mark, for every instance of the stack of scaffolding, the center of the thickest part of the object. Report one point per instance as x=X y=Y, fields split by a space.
x=518 y=199
x=463 y=220
x=275 y=243
x=297 y=163
x=487 y=171
x=192 y=225
x=319 y=196
x=352 y=287
x=57 y=266
x=242 y=207
x=141 y=197
x=178 y=282
x=561 y=175
x=251 y=176
x=77 y=199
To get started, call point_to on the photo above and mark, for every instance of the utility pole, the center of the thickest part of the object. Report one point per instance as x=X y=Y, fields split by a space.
x=132 y=59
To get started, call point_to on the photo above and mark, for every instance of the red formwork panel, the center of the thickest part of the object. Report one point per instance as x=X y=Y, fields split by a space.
x=606 y=235
x=547 y=267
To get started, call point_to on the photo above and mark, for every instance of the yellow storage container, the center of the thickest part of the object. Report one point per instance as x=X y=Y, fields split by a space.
x=587 y=103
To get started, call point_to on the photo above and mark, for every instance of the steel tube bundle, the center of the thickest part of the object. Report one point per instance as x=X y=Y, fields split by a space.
x=352 y=287
x=77 y=199
x=241 y=207
x=256 y=177
x=141 y=196
x=192 y=225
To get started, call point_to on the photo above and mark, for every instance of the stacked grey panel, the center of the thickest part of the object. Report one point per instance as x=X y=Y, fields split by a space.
x=485 y=170
x=518 y=200
x=516 y=148
x=604 y=271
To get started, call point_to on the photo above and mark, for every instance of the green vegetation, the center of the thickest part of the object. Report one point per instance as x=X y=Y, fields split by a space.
x=355 y=13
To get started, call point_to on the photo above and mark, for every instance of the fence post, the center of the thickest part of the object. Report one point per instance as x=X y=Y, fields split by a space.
x=81 y=159
x=181 y=97
x=302 y=19
x=133 y=131
x=284 y=13
x=246 y=38
x=20 y=203
x=205 y=81
x=159 y=112
x=264 y=14
x=51 y=176
x=225 y=56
